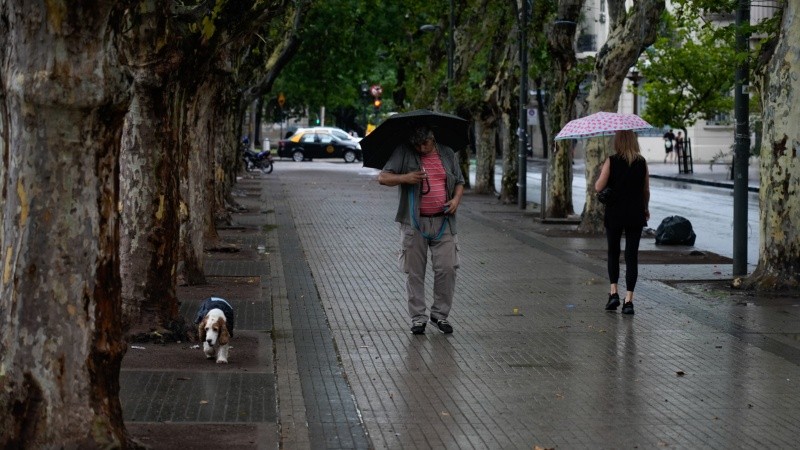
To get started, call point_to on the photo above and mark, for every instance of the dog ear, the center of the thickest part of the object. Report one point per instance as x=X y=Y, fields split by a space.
x=201 y=330
x=224 y=336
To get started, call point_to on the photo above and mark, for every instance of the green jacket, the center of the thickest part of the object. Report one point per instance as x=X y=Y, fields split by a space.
x=405 y=159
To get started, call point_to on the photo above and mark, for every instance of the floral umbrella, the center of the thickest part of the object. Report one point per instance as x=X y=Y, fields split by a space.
x=601 y=124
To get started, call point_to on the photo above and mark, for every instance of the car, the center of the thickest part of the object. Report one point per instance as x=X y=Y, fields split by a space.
x=311 y=143
x=338 y=132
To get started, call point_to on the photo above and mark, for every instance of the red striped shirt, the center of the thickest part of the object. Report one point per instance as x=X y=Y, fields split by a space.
x=433 y=201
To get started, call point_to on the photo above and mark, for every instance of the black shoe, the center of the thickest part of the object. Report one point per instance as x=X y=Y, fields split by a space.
x=627 y=308
x=418 y=327
x=613 y=302
x=443 y=325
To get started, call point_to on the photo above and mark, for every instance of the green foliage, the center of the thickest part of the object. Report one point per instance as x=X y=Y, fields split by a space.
x=689 y=72
x=349 y=41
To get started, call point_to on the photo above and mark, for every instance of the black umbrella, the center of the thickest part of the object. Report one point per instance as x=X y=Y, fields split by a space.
x=378 y=146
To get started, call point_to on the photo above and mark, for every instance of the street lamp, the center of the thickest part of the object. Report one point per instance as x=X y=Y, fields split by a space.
x=635 y=78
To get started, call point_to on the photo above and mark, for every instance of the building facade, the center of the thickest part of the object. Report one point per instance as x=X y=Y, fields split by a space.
x=712 y=139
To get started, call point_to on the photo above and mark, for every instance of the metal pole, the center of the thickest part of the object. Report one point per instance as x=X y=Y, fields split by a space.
x=451 y=42
x=522 y=175
x=742 y=144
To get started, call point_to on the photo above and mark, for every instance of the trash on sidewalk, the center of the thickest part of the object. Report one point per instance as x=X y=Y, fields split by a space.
x=675 y=230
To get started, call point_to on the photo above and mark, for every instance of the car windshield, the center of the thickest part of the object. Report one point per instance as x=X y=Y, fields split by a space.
x=341 y=135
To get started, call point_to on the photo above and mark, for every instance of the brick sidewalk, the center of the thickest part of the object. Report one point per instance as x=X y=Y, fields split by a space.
x=534 y=359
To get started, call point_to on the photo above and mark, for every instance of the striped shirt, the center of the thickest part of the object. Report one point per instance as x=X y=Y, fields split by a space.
x=433 y=202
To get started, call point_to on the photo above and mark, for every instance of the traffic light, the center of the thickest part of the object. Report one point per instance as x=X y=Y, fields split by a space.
x=377 y=103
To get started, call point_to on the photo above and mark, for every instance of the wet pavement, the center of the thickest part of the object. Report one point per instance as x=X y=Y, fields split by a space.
x=534 y=359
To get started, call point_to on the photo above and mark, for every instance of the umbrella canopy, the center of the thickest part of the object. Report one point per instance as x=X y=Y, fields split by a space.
x=378 y=146
x=601 y=124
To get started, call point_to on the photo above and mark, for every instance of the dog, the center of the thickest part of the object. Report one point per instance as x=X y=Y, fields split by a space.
x=215 y=328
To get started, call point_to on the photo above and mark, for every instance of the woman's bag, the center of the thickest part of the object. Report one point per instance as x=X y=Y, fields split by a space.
x=606 y=196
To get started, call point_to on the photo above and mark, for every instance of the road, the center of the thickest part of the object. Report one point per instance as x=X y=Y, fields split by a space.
x=709 y=209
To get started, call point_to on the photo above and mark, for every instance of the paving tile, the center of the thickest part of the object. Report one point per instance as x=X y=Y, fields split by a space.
x=534 y=359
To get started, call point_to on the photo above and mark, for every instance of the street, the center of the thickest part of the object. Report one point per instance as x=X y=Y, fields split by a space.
x=708 y=208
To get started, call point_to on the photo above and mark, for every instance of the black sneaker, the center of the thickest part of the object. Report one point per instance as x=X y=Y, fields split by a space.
x=443 y=325
x=627 y=308
x=418 y=327
x=613 y=302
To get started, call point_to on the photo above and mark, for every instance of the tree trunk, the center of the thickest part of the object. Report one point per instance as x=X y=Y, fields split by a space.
x=197 y=183
x=149 y=183
x=779 y=255
x=508 y=104
x=485 y=155
x=629 y=36
x=63 y=103
x=561 y=45
x=149 y=242
x=508 y=188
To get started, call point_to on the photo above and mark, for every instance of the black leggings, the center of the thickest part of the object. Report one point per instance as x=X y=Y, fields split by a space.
x=632 y=237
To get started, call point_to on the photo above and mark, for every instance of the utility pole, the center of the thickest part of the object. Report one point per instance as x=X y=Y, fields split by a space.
x=522 y=132
x=741 y=156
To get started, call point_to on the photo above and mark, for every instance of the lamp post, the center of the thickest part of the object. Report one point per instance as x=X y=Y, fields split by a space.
x=522 y=161
x=635 y=78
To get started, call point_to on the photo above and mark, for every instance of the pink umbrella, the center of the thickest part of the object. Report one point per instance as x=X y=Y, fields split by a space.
x=601 y=124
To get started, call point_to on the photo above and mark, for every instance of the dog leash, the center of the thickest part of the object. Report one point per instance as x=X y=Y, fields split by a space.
x=416 y=223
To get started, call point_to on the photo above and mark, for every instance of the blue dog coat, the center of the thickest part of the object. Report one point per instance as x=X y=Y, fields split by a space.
x=216 y=302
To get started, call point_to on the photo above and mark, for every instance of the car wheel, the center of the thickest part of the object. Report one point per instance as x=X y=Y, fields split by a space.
x=349 y=156
x=297 y=155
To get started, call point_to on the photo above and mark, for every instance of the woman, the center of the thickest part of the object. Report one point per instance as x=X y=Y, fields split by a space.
x=627 y=175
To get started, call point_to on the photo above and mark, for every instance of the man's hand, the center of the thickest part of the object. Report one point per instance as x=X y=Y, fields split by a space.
x=415 y=177
x=393 y=179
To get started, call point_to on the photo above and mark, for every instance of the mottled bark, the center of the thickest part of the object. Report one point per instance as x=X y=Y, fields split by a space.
x=149 y=180
x=64 y=99
x=630 y=34
x=565 y=82
x=507 y=104
x=779 y=248
x=236 y=65
x=485 y=156
x=508 y=184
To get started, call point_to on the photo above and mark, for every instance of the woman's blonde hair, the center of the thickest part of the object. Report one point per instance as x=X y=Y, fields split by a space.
x=626 y=144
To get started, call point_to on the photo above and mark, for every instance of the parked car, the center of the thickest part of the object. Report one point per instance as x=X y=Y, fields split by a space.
x=310 y=143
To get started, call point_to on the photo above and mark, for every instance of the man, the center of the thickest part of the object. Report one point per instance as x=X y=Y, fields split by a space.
x=431 y=186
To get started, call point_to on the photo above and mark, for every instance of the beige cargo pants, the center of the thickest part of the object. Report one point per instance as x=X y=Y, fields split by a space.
x=413 y=261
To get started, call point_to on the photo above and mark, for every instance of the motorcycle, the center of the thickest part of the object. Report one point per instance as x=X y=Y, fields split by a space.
x=258 y=161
